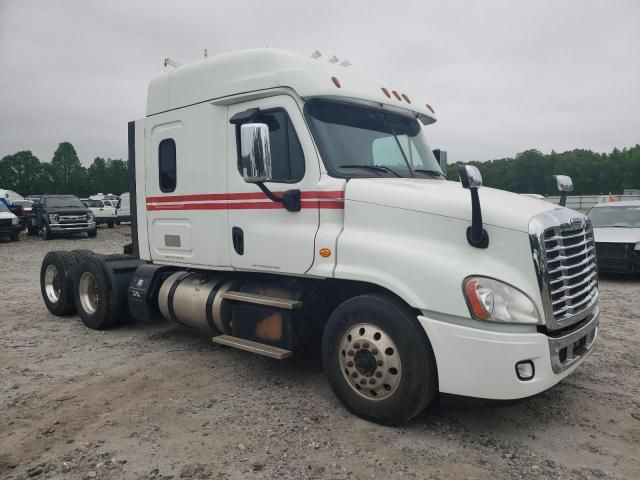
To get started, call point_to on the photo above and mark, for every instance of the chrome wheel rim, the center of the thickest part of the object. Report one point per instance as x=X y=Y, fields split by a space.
x=52 y=283
x=370 y=361
x=88 y=293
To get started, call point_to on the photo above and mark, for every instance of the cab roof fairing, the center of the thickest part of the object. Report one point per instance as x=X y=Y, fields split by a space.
x=260 y=69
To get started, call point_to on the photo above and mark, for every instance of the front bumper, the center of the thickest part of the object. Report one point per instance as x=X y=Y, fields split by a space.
x=9 y=231
x=482 y=364
x=72 y=227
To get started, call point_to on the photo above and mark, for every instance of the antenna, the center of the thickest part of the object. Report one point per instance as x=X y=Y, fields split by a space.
x=173 y=63
x=206 y=53
x=316 y=54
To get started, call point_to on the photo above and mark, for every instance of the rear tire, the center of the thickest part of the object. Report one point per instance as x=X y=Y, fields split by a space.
x=56 y=282
x=97 y=306
x=110 y=225
x=15 y=237
x=32 y=231
x=378 y=359
x=93 y=233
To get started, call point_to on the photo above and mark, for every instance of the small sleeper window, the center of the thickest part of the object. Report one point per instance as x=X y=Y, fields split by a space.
x=167 y=165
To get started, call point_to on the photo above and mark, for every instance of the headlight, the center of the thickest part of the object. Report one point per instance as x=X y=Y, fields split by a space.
x=637 y=247
x=14 y=221
x=53 y=217
x=90 y=216
x=494 y=301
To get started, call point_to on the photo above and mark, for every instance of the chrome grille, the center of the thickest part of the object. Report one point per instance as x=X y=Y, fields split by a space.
x=564 y=257
x=72 y=218
x=571 y=268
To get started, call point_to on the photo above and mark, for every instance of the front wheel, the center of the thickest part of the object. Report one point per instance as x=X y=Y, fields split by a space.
x=110 y=225
x=378 y=359
x=93 y=233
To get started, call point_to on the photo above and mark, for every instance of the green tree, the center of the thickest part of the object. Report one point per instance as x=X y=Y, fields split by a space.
x=68 y=172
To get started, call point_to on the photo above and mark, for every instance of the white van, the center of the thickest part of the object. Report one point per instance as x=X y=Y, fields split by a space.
x=123 y=209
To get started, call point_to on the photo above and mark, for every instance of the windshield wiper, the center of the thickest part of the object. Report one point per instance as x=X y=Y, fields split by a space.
x=375 y=168
x=430 y=172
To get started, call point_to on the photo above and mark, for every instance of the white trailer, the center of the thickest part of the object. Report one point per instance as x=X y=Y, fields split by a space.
x=281 y=203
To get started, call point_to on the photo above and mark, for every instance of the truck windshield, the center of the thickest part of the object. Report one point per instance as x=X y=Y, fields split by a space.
x=3 y=208
x=62 y=202
x=610 y=216
x=359 y=141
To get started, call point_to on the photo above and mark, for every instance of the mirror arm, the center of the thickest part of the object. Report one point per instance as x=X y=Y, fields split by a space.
x=563 y=199
x=476 y=235
x=290 y=200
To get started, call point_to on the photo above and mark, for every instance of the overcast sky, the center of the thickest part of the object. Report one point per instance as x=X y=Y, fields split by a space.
x=503 y=76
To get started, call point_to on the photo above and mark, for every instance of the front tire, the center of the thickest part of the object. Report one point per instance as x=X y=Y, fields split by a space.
x=378 y=359
x=110 y=225
x=93 y=233
x=56 y=282
x=46 y=233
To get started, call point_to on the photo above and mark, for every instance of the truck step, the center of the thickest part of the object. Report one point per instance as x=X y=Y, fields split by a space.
x=251 y=346
x=276 y=302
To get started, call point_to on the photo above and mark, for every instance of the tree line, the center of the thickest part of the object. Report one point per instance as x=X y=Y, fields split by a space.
x=24 y=173
x=529 y=172
x=532 y=171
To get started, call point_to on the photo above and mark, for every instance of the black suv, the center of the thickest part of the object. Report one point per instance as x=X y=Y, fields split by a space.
x=60 y=215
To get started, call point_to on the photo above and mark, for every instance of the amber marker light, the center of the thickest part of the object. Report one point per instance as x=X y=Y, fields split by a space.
x=430 y=108
x=406 y=98
x=386 y=92
x=474 y=301
x=325 y=252
x=397 y=95
x=335 y=81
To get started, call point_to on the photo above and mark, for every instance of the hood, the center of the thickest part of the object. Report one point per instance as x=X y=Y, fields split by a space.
x=616 y=235
x=449 y=199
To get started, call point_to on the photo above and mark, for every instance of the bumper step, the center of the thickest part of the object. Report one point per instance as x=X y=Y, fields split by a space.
x=283 y=303
x=253 y=347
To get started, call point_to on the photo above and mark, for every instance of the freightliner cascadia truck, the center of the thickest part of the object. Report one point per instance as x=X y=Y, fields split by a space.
x=282 y=203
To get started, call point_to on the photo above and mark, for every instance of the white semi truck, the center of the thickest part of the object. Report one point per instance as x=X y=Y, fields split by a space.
x=281 y=202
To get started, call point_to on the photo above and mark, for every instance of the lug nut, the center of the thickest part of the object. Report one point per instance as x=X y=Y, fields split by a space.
x=372 y=381
x=365 y=345
x=354 y=374
x=356 y=346
x=379 y=363
x=374 y=351
x=363 y=382
x=349 y=364
x=378 y=374
x=350 y=353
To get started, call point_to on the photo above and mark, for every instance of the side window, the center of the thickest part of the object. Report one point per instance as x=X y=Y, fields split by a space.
x=167 y=165
x=287 y=159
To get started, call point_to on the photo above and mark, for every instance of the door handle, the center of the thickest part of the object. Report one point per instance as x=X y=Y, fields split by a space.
x=237 y=237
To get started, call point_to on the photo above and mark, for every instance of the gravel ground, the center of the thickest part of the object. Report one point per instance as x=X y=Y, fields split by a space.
x=161 y=401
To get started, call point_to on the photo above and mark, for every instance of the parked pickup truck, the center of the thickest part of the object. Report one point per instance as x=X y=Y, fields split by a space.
x=61 y=215
x=9 y=224
x=103 y=214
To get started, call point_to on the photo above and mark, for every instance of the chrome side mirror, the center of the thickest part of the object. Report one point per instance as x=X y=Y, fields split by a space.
x=471 y=179
x=441 y=157
x=470 y=176
x=255 y=153
x=565 y=184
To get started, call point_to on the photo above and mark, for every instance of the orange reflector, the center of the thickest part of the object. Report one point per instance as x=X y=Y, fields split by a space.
x=397 y=95
x=386 y=92
x=474 y=301
x=406 y=98
x=335 y=81
x=429 y=107
x=325 y=252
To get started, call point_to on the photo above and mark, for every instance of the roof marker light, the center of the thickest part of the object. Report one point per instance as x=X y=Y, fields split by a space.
x=386 y=92
x=397 y=95
x=430 y=108
x=335 y=81
x=406 y=98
